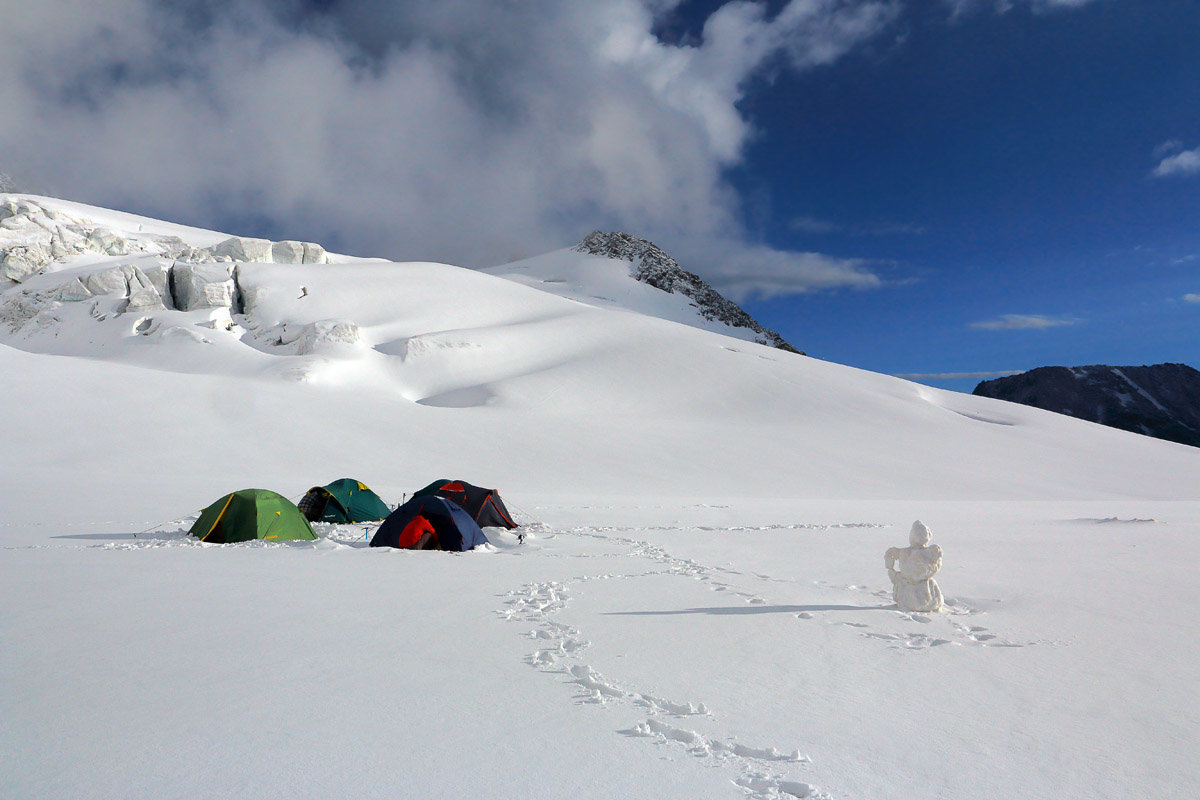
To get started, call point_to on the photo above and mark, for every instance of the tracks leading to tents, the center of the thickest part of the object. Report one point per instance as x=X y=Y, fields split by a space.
x=561 y=650
x=763 y=769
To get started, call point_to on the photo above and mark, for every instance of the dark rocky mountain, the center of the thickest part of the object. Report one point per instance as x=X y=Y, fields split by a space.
x=1161 y=401
x=655 y=268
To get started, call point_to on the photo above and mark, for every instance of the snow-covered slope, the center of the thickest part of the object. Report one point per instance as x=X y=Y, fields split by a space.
x=561 y=388
x=699 y=608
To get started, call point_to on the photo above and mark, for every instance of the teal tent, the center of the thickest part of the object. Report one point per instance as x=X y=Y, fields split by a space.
x=344 y=500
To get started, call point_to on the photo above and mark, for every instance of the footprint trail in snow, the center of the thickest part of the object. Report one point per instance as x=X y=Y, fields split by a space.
x=561 y=649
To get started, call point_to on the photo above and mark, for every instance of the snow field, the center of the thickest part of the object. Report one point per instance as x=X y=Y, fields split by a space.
x=712 y=659
x=700 y=608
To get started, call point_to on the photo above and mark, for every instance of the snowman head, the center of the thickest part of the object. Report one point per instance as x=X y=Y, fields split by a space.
x=919 y=536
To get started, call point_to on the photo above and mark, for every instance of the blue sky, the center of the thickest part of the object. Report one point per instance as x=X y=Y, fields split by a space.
x=917 y=188
x=994 y=164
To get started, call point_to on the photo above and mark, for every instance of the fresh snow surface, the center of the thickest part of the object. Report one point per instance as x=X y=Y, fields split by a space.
x=607 y=283
x=699 y=608
x=132 y=224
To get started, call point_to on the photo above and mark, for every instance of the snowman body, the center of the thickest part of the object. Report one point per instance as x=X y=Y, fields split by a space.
x=912 y=569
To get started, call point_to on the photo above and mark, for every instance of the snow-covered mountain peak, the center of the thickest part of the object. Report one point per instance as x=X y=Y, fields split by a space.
x=651 y=265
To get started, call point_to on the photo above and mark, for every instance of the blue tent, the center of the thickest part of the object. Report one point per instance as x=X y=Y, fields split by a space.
x=454 y=527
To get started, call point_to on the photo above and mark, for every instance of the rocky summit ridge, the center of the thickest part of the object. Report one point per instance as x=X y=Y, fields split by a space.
x=652 y=266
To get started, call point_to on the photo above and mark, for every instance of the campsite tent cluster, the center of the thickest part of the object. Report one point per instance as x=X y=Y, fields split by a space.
x=445 y=515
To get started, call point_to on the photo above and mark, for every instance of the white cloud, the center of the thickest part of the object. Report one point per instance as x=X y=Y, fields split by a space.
x=1192 y=298
x=816 y=225
x=1167 y=148
x=961 y=7
x=1186 y=162
x=744 y=271
x=1023 y=322
x=459 y=131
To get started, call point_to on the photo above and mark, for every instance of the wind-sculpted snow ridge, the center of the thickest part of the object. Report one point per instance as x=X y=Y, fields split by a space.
x=655 y=268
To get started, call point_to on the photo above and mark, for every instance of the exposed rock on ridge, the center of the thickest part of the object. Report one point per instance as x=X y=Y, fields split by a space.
x=1161 y=400
x=655 y=268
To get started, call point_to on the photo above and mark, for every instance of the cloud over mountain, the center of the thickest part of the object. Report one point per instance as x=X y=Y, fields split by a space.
x=457 y=131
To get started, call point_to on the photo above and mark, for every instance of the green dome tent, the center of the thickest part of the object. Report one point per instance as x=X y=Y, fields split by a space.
x=252 y=514
x=344 y=500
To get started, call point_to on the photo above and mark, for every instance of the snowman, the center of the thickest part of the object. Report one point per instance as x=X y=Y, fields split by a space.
x=912 y=569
